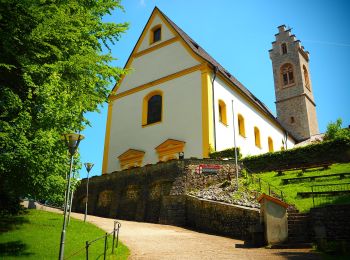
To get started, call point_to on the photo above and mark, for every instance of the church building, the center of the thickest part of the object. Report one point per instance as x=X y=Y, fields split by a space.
x=178 y=100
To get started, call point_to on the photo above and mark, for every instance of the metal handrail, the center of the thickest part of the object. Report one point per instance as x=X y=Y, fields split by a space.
x=115 y=232
x=280 y=192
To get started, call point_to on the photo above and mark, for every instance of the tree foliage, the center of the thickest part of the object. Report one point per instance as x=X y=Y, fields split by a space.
x=53 y=69
x=335 y=130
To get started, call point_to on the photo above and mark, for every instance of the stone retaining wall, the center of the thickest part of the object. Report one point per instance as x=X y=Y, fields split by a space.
x=157 y=193
x=331 y=223
x=220 y=218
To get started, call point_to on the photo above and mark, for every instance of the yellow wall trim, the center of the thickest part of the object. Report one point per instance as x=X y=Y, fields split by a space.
x=107 y=138
x=156 y=82
x=131 y=158
x=207 y=112
x=156 y=47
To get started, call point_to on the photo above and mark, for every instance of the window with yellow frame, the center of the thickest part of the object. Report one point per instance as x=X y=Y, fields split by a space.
x=152 y=108
x=257 y=137
x=270 y=143
x=222 y=112
x=155 y=34
x=241 y=125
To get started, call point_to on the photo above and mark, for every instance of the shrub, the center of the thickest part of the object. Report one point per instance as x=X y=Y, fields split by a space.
x=228 y=153
x=332 y=151
x=335 y=131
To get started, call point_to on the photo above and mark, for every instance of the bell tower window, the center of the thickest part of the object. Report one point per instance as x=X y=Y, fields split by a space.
x=284 y=48
x=287 y=74
x=306 y=77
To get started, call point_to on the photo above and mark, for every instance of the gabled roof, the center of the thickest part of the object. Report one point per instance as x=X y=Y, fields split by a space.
x=196 y=48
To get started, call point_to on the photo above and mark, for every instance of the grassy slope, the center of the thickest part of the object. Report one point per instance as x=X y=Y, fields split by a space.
x=36 y=235
x=291 y=189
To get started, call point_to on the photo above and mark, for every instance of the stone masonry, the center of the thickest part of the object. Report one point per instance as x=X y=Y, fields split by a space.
x=158 y=194
x=295 y=105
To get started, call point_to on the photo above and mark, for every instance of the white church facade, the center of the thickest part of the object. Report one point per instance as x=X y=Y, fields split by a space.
x=178 y=99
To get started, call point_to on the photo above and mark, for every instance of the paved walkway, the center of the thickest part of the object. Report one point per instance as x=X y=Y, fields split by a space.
x=155 y=241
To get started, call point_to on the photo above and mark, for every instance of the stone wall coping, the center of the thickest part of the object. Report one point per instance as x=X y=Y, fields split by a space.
x=224 y=203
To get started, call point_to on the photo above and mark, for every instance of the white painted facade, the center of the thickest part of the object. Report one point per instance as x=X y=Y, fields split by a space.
x=182 y=120
x=157 y=64
x=253 y=118
x=175 y=71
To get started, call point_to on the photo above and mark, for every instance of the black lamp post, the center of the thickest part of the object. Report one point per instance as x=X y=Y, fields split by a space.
x=72 y=141
x=88 y=167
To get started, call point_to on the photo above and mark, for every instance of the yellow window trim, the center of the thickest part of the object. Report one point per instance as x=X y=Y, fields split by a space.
x=156 y=82
x=107 y=139
x=241 y=125
x=151 y=34
x=257 y=137
x=222 y=112
x=131 y=158
x=145 y=107
x=270 y=144
x=169 y=149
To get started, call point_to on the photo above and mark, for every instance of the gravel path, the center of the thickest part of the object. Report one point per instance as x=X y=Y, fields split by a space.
x=155 y=241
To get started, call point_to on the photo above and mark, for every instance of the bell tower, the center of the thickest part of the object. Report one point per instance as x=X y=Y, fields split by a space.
x=295 y=105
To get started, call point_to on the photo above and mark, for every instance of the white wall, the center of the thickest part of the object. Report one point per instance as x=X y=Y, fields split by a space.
x=253 y=117
x=166 y=34
x=157 y=64
x=182 y=120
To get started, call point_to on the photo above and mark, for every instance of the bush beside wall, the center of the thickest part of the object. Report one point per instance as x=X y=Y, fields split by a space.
x=332 y=151
x=228 y=153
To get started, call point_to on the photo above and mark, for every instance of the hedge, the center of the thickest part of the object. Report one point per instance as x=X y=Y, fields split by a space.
x=228 y=153
x=333 y=151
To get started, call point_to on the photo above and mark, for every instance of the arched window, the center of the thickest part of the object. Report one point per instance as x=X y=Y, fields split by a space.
x=156 y=34
x=270 y=143
x=306 y=77
x=284 y=48
x=152 y=108
x=287 y=75
x=222 y=112
x=241 y=126
x=257 y=137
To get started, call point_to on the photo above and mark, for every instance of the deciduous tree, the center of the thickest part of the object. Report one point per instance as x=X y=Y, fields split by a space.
x=55 y=65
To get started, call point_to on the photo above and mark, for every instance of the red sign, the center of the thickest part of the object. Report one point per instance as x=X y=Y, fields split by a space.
x=208 y=168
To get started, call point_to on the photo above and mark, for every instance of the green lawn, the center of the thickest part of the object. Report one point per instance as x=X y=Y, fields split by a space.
x=290 y=190
x=36 y=235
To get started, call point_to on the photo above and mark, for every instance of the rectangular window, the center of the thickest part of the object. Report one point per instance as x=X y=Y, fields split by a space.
x=156 y=35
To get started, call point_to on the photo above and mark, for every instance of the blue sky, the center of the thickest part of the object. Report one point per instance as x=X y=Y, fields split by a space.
x=238 y=34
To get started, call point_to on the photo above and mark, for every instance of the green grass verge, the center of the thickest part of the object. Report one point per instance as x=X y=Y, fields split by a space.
x=290 y=190
x=36 y=235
